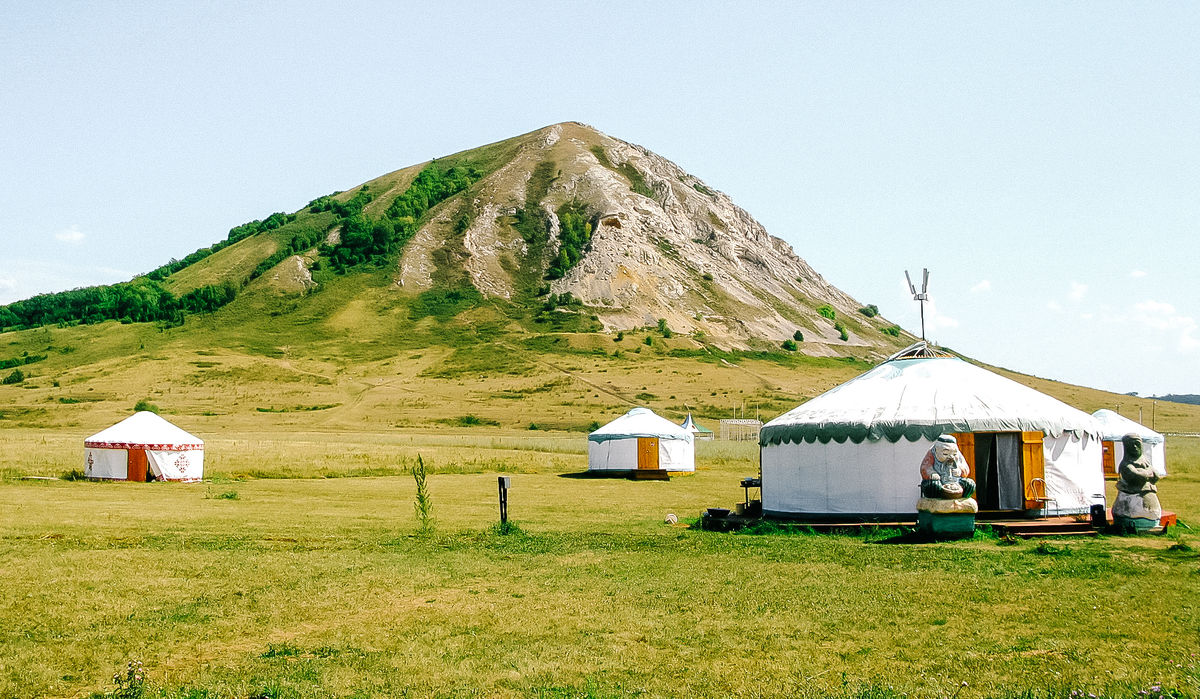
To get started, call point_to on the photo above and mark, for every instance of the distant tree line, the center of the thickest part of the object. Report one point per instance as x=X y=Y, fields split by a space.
x=145 y=299
x=236 y=233
x=139 y=301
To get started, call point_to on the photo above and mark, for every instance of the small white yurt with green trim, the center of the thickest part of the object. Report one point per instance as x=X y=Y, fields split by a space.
x=698 y=431
x=854 y=451
x=641 y=440
x=1114 y=426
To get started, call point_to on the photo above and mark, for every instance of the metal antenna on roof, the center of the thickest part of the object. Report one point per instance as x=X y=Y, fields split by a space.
x=922 y=297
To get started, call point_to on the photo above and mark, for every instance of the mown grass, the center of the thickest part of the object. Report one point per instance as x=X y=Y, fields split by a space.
x=311 y=587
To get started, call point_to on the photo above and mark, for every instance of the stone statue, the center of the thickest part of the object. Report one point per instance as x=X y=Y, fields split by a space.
x=1137 y=505
x=944 y=484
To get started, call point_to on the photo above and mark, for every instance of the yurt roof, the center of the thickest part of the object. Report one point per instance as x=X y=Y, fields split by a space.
x=639 y=422
x=924 y=397
x=143 y=430
x=1114 y=425
x=693 y=426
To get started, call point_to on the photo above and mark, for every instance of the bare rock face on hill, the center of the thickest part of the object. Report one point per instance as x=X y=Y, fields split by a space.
x=664 y=246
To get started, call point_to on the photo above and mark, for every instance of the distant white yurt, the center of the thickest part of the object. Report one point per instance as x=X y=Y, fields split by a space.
x=641 y=440
x=144 y=445
x=698 y=431
x=1113 y=427
x=854 y=451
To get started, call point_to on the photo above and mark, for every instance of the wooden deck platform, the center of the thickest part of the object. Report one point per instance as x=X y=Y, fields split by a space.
x=1005 y=526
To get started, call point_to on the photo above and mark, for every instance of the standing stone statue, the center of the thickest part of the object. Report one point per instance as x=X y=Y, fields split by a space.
x=946 y=508
x=1137 y=506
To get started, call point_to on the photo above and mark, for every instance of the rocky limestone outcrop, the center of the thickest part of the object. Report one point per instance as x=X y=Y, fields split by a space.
x=679 y=250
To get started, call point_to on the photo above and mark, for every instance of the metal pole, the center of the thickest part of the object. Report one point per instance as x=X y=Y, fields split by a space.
x=922 y=320
x=503 y=482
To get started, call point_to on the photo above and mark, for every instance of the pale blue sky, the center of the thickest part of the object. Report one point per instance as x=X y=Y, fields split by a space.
x=1042 y=159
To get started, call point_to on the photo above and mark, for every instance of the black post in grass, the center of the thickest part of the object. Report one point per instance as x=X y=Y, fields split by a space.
x=504 y=483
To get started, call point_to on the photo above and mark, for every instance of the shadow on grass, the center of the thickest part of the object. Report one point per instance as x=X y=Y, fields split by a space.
x=589 y=475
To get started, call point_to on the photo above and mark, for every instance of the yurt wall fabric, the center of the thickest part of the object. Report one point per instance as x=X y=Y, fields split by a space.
x=856 y=449
x=614 y=447
x=170 y=452
x=876 y=477
x=622 y=455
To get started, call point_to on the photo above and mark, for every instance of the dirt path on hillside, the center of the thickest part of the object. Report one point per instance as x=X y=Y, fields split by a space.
x=765 y=381
x=566 y=372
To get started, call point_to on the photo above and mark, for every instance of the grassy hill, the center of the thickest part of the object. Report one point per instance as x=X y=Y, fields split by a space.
x=433 y=296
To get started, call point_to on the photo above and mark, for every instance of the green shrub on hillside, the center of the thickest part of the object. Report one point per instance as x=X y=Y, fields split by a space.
x=663 y=329
x=444 y=304
x=575 y=233
x=17 y=376
x=798 y=336
x=637 y=181
x=25 y=358
x=894 y=331
x=826 y=311
x=842 y=332
x=145 y=404
x=532 y=222
x=365 y=241
x=789 y=345
x=870 y=310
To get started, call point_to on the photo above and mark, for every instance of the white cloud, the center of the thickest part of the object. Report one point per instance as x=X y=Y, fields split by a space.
x=935 y=319
x=1054 y=306
x=70 y=235
x=1078 y=291
x=1163 y=317
x=1137 y=273
x=984 y=285
x=7 y=284
x=1087 y=316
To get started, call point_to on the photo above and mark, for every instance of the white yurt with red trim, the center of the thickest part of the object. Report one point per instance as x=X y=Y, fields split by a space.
x=144 y=446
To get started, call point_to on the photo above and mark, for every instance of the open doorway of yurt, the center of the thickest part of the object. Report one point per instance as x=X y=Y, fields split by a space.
x=999 y=483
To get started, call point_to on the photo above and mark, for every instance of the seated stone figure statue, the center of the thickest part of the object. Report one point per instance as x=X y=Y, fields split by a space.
x=945 y=487
x=1137 y=505
x=944 y=471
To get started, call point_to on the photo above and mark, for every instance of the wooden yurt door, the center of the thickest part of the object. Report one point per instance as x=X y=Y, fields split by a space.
x=647 y=453
x=1109 y=459
x=137 y=465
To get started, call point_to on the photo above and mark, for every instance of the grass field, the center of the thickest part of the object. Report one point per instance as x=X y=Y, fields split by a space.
x=298 y=572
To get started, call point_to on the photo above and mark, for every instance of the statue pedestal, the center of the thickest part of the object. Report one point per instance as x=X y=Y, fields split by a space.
x=1133 y=525
x=950 y=525
x=946 y=519
x=1134 y=513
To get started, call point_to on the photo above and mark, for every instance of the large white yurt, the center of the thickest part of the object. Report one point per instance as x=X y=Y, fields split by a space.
x=1114 y=426
x=641 y=440
x=854 y=452
x=144 y=445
